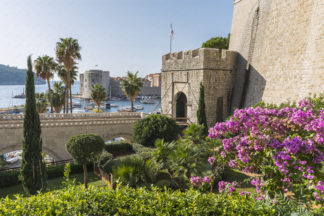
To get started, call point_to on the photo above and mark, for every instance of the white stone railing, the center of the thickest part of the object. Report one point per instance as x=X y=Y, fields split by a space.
x=71 y=119
x=7 y=117
x=76 y=122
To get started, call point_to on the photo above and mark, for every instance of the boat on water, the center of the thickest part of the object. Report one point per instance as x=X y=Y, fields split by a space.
x=147 y=100
x=76 y=105
x=129 y=109
x=22 y=95
x=139 y=107
x=125 y=109
x=13 y=157
x=109 y=105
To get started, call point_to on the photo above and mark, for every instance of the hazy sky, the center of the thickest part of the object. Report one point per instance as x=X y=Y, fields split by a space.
x=116 y=35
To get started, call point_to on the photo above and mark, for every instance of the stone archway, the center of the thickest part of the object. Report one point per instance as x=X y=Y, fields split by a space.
x=181 y=107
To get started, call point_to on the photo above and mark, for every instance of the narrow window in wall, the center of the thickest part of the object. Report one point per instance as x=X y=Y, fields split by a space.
x=219 y=110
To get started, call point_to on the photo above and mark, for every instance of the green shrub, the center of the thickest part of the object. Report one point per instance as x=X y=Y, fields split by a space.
x=77 y=200
x=153 y=127
x=104 y=158
x=134 y=171
x=10 y=178
x=119 y=148
x=57 y=171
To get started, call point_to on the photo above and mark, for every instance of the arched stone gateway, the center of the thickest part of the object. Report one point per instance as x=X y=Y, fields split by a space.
x=181 y=107
x=58 y=128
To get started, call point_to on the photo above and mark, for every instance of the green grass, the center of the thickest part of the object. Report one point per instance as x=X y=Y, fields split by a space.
x=53 y=184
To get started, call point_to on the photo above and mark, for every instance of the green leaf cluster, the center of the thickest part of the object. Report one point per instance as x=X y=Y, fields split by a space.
x=186 y=157
x=153 y=127
x=76 y=200
x=85 y=148
x=10 y=178
x=217 y=42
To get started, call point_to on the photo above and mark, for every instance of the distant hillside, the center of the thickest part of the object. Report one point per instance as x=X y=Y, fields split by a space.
x=14 y=76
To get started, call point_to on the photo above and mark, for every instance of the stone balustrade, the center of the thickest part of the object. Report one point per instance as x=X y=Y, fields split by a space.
x=58 y=128
x=74 y=115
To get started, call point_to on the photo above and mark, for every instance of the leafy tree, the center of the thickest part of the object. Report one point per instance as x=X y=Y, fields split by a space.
x=33 y=171
x=45 y=67
x=58 y=96
x=153 y=127
x=41 y=102
x=217 y=42
x=85 y=148
x=98 y=94
x=132 y=86
x=201 y=112
x=67 y=52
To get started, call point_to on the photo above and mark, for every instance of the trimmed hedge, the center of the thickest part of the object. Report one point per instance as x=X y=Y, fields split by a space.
x=77 y=200
x=10 y=178
x=118 y=149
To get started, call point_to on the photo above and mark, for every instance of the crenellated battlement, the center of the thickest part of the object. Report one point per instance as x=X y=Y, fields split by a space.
x=202 y=58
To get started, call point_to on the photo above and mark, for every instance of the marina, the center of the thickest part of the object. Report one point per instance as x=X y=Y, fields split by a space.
x=14 y=105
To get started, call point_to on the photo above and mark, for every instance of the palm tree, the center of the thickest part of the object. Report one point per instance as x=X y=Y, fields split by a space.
x=67 y=52
x=41 y=102
x=132 y=86
x=61 y=72
x=63 y=76
x=73 y=77
x=98 y=94
x=45 y=67
x=58 y=96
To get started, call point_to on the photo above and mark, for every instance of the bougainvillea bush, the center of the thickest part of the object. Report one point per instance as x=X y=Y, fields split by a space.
x=284 y=145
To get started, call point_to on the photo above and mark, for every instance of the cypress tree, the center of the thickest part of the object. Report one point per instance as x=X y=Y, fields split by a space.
x=201 y=113
x=33 y=173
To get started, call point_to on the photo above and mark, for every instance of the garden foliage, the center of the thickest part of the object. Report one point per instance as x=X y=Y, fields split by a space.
x=10 y=178
x=153 y=127
x=185 y=157
x=33 y=173
x=85 y=149
x=76 y=200
x=201 y=112
x=285 y=145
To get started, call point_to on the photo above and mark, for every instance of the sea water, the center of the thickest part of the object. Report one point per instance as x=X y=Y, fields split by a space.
x=8 y=91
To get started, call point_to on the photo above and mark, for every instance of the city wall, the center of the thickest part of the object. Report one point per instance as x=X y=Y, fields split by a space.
x=283 y=42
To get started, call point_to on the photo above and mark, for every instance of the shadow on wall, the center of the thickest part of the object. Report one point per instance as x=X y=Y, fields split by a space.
x=249 y=85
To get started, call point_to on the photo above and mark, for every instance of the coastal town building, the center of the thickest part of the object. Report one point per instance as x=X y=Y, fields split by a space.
x=155 y=79
x=92 y=77
x=147 y=89
x=275 y=55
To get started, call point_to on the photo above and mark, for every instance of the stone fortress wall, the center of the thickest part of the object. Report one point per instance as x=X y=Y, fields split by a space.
x=91 y=77
x=283 y=42
x=184 y=71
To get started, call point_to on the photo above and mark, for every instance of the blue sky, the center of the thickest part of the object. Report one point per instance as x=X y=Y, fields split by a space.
x=116 y=35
